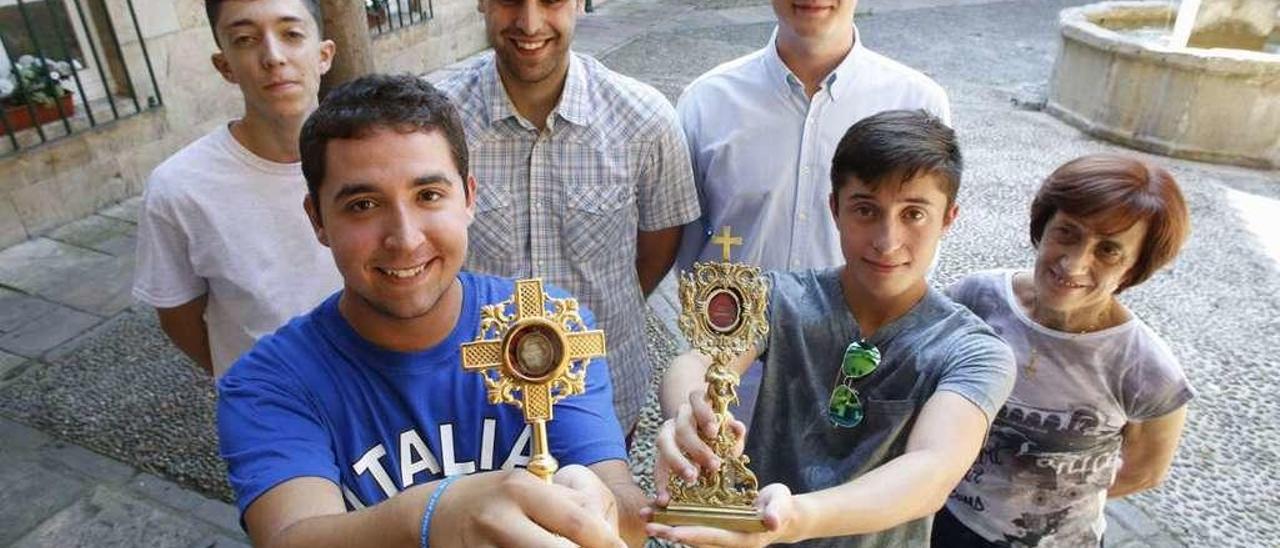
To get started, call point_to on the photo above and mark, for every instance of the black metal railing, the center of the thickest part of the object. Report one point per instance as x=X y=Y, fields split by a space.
x=388 y=15
x=65 y=69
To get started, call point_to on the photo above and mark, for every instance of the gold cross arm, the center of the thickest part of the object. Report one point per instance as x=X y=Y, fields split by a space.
x=726 y=240
x=538 y=391
x=533 y=352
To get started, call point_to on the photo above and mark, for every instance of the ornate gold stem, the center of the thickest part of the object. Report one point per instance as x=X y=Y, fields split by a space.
x=541 y=463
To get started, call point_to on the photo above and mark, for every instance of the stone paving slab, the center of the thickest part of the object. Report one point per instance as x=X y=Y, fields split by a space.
x=81 y=461
x=126 y=210
x=166 y=492
x=74 y=276
x=1129 y=523
x=60 y=494
x=224 y=516
x=20 y=437
x=8 y=363
x=31 y=326
x=30 y=494
x=220 y=541
x=109 y=518
x=17 y=309
x=100 y=233
x=47 y=332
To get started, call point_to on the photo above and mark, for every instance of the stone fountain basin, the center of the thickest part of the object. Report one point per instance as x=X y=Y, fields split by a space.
x=1217 y=105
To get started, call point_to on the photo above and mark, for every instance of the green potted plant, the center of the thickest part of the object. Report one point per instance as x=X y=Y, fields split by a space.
x=36 y=86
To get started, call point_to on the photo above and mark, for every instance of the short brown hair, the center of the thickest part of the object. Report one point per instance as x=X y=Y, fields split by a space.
x=213 y=8
x=895 y=146
x=1112 y=192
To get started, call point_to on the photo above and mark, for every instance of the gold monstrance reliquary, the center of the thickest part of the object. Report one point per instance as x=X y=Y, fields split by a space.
x=723 y=314
x=531 y=356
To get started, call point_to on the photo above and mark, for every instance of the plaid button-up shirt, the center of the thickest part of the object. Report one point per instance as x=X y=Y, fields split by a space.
x=565 y=203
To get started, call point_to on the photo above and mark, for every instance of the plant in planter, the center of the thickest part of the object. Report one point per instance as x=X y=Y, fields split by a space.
x=375 y=12
x=36 y=85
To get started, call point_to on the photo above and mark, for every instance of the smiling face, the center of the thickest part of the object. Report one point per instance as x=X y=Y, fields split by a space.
x=815 y=19
x=394 y=211
x=1078 y=268
x=890 y=234
x=530 y=38
x=273 y=51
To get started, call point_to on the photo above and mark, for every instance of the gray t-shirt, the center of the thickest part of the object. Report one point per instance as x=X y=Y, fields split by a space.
x=937 y=345
x=1042 y=476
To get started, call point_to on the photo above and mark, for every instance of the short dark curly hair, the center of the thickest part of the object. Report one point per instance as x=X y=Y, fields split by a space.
x=214 y=7
x=1111 y=192
x=404 y=103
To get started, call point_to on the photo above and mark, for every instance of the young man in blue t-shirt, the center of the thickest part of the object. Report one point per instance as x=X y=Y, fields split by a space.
x=339 y=428
x=870 y=446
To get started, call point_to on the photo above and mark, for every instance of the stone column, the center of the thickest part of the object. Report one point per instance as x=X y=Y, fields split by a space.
x=345 y=24
x=1238 y=24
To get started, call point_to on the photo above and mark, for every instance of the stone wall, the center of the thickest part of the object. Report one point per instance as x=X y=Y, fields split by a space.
x=68 y=178
x=456 y=31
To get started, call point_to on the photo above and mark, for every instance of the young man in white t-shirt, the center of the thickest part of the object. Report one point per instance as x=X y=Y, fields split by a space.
x=225 y=251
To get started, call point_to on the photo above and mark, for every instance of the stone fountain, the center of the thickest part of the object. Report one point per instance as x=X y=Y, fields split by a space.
x=1198 y=80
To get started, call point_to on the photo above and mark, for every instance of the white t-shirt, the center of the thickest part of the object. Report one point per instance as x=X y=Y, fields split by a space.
x=218 y=219
x=1042 y=476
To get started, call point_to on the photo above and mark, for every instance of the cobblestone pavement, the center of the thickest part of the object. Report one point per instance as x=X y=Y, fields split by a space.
x=108 y=431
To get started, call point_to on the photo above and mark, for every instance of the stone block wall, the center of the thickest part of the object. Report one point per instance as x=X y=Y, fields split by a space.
x=456 y=31
x=48 y=185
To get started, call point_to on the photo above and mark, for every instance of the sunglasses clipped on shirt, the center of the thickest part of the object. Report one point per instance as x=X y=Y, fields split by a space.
x=845 y=409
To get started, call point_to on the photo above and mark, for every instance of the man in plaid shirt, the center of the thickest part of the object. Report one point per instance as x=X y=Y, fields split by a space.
x=583 y=176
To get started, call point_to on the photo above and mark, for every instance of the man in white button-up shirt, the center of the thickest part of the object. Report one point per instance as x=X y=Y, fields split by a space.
x=762 y=129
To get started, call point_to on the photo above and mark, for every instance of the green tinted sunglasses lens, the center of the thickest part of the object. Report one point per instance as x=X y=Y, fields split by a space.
x=860 y=359
x=844 y=409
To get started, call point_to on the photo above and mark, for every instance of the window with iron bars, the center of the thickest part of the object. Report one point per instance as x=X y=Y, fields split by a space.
x=67 y=66
x=386 y=16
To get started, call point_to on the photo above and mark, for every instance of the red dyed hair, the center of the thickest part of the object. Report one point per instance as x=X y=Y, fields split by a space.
x=1112 y=192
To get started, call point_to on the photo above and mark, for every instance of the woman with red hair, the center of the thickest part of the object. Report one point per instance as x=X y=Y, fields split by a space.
x=1100 y=400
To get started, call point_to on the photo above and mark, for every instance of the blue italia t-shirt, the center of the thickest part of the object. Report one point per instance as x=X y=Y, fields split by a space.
x=316 y=399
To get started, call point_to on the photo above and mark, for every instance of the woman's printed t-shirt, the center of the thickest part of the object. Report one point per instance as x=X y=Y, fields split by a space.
x=1042 y=476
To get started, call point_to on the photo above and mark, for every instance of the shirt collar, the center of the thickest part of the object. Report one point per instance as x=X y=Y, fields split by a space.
x=495 y=96
x=574 y=100
x=839 y=79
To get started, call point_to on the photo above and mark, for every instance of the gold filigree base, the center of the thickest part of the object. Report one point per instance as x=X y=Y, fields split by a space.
x=732 y=518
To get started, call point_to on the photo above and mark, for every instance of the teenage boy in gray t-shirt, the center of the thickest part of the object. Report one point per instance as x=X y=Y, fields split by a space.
x=870 y=454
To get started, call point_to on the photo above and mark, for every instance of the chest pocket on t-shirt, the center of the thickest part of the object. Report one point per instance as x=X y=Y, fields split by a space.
x=600 y=218
x=883 y=432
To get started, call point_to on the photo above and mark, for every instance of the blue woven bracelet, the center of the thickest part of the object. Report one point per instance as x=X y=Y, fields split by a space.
x=431 y=507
